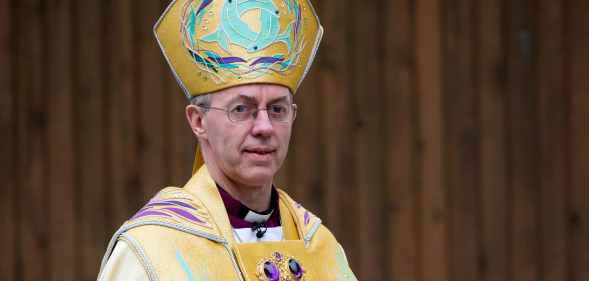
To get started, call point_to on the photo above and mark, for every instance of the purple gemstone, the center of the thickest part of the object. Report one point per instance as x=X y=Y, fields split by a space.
x=307 y=218
x=296 y=268
x=271 y=271
x=278 y=256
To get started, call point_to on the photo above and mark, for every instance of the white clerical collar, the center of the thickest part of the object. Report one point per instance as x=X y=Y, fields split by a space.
x=252 y=216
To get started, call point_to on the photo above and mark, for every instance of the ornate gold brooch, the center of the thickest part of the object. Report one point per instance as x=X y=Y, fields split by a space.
x=280 y=268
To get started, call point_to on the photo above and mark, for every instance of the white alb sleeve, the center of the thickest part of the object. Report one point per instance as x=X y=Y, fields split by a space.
x=123 y=265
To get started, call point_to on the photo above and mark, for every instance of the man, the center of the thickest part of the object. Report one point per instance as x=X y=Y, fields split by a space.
x=239 y=62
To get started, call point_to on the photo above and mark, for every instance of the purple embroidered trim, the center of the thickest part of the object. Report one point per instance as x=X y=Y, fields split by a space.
x=169 y=203
x=184 y=214
x=170 y=209
x=267 y=60
x=227 y=60
x=203 y=5
x=149 y=213
x=307 y=217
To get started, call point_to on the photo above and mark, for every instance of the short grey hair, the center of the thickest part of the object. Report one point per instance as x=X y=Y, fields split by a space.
x=203 y=100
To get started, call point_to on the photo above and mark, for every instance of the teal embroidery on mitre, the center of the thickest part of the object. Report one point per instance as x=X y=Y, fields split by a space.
x=187 y=270
x=233 y=30
x=195 y=17
x=219 y=62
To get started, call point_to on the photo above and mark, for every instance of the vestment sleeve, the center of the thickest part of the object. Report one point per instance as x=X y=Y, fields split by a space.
x=123 y=264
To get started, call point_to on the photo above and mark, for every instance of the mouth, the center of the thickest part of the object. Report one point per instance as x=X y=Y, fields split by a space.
x=259 y=150
x=259 y=154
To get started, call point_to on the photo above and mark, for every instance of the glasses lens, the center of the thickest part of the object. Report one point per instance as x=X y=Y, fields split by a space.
x=278 y=112
x=240 y=112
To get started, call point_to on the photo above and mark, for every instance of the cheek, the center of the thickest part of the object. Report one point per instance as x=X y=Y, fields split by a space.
x=232 y=141
x=220 y=139
x=284 y=138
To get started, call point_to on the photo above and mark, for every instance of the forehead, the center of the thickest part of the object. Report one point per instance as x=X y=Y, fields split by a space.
x=258 y=92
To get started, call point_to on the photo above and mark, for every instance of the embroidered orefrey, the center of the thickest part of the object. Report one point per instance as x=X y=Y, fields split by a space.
x=134 y=244
x=127 y=227
x=234 y=261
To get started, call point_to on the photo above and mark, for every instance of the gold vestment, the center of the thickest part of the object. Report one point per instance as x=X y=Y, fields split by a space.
x=185 y=234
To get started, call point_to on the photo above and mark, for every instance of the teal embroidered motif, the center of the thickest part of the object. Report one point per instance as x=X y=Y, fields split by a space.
x=186 y=269
x=232 y=30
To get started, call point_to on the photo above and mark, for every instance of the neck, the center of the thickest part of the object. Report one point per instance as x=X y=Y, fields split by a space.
x=255 y=197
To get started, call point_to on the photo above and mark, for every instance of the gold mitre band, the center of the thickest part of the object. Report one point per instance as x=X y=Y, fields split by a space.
x=212 y=45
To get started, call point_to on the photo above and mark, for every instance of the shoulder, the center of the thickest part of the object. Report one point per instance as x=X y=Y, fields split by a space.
x=172 y=212
x=174 y=208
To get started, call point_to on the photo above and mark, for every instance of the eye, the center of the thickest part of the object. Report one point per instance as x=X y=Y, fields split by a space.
x=240 y=108
x=278 y=109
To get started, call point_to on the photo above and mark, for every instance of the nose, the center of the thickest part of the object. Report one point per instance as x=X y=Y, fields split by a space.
x=262 y=124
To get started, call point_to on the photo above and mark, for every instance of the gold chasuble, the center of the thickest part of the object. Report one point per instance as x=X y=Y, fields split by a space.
x=185 y=234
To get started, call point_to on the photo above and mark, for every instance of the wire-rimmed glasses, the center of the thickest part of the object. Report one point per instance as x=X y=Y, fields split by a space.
x=279 y=112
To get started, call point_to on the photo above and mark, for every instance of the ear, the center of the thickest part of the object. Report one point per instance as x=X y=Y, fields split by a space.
x=195 y=117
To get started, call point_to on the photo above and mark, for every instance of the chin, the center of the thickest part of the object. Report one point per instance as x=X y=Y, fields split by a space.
x=258 y=176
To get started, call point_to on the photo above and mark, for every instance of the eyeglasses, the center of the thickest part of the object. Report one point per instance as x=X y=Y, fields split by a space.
x=279 y=112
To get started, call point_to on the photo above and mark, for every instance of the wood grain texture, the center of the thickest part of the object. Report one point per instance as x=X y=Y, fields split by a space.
x=150 y=97
x=124 y=185
x=399 y=113
x=578 y=69
x=62 y=252
x=523 y=141
x=182 y=141
x=91 y=139
x=31 y=136
x=305 y=157
x=8 y=149
x=367 y=132
x=552 y=114
x=333 y=116
x=433 y=211
x=494 y=176
x=462 y=139
x=337 y=125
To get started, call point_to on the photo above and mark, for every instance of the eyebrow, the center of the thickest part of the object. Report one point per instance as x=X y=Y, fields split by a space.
x=253 y=100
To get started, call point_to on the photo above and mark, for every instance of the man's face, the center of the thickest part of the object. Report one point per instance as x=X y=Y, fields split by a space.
x=249 y=152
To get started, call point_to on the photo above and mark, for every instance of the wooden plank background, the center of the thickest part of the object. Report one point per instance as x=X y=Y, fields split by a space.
x=440 y=140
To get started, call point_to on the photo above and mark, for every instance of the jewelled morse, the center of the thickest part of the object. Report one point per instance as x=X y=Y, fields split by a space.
x=280 y=268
